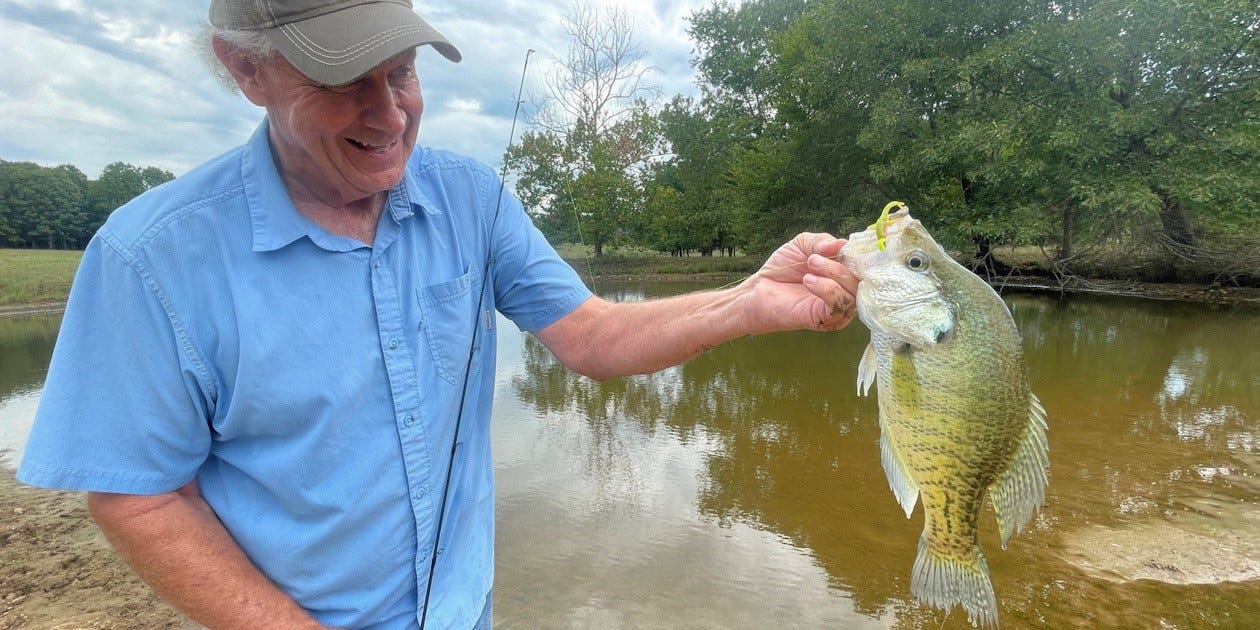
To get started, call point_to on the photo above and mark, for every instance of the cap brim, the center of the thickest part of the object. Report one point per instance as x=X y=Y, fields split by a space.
x=338 y=47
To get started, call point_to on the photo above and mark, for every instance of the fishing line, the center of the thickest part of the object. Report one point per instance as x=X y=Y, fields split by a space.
x=472 y=350
x=577 y=220
x=881 y=233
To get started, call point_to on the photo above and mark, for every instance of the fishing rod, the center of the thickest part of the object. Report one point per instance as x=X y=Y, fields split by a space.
x=472 y=348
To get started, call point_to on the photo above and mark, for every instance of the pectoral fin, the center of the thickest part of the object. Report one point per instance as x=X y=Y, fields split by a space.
x=866 y=370
x=899 y=480
x=1021 y=489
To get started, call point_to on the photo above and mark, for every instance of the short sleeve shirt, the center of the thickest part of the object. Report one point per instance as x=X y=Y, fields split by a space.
x=310 y=383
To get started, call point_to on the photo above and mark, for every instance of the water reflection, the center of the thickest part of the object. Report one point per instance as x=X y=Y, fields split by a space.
x=1151 y=406
x=26 y=343
x=743 y=489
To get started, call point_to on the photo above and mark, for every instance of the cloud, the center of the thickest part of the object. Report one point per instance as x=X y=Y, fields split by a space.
x=125 y=82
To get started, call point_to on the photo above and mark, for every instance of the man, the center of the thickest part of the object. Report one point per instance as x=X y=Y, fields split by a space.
x=262 y=363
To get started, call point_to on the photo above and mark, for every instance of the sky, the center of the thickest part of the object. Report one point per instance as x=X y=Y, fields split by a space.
x=90 y=82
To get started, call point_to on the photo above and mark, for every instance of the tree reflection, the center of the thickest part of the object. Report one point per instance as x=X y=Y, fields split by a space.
x=1142 y=396
x=26 y=343
x=788 y=446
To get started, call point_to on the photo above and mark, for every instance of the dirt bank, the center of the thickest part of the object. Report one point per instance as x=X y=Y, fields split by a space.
x=57 y=570
x=1217 y=294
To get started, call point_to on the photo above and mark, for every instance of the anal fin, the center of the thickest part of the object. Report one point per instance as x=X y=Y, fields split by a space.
x=899 y=479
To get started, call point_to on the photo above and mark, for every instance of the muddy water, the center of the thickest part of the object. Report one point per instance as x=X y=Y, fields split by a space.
x=744 y=490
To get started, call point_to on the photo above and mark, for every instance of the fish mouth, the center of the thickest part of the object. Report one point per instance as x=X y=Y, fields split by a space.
x=863 y=250
x=860 y=246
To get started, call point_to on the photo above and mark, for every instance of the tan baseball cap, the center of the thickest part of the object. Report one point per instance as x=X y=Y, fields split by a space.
x=333 y=41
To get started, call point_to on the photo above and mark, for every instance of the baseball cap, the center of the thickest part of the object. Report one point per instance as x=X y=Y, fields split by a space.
x=333 y=41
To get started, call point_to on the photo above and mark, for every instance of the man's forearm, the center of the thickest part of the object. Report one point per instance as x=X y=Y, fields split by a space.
x=638 y=338
x=175 y=542
x=801 y=286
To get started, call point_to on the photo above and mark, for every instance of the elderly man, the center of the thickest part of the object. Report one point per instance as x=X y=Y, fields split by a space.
x=262 y=363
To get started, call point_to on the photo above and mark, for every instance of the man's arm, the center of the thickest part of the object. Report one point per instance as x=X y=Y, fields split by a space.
x=176 y=543
x=800 y=286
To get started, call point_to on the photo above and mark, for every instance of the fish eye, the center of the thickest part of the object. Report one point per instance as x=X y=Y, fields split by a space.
x=916 y=261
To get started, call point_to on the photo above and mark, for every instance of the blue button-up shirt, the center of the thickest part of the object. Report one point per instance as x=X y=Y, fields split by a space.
x=308 y=382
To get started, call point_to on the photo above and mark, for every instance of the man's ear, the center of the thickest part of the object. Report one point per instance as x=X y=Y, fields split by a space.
x=244 y=69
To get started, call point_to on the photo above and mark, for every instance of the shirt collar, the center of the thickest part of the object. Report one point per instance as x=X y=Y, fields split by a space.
x=276 y=221
x=411 y=185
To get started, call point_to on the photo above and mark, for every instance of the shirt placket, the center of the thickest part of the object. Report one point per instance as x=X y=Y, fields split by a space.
x=413 y=434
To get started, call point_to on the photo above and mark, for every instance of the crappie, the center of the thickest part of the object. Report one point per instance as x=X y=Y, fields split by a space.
x=957 y=418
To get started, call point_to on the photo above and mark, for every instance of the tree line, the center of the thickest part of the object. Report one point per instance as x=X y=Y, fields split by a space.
x=58 y=207
x=1120 y=136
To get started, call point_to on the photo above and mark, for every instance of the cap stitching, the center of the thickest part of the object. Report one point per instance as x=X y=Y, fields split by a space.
x=331 y=57
x=309 y=44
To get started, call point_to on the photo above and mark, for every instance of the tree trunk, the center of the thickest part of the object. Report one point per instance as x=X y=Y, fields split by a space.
x=984 y=255
x=1065 y=245
x=1173 y=217
x=599 y=249
x=984 y=250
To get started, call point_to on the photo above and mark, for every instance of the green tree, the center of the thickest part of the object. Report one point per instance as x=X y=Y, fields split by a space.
x=119 y=183
x=581 y=171
x=43 y=206
x=1095 y=122
x=1094 y=126
x=702 y=211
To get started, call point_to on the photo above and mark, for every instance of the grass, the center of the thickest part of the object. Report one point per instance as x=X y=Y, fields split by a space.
x=40 y=276
x=643 y=262
x=36 y=276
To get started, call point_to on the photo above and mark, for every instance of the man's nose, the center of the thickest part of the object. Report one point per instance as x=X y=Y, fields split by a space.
x=382 y=109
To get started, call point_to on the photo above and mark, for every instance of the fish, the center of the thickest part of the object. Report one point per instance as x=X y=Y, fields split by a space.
x=958 y=420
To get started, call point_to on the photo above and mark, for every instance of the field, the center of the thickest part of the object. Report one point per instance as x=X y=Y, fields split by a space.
x=638 y=263
x=36 y=276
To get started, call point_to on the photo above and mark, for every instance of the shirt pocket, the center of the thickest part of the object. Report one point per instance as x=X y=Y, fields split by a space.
x=449 y=320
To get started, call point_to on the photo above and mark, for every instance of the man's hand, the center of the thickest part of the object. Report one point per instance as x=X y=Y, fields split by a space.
x=802 y=285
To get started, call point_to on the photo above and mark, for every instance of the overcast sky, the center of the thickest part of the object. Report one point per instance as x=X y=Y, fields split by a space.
x=89 y=82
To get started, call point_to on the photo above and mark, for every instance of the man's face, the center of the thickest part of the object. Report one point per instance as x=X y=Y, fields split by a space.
x=343 y=143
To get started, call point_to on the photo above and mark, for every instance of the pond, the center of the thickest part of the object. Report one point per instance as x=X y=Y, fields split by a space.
x=744 y=490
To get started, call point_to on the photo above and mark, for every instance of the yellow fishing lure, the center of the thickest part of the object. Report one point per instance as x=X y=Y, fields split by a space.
x=881 y=225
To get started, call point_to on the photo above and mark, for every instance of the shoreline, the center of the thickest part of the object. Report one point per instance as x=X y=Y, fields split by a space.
x=1168 y=292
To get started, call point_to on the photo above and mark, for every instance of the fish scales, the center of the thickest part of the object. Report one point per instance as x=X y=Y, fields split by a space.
x=958 y=421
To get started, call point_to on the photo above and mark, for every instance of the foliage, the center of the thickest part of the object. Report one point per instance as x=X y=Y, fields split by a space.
x=1082 y=127
x=59 y=207
x=580 y=171
x=1115 y=136
x=119 y=183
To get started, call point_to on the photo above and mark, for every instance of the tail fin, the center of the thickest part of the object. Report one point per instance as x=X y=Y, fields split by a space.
x=943 y=581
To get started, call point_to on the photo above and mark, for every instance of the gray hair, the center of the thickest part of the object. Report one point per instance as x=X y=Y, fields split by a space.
x=252 y=44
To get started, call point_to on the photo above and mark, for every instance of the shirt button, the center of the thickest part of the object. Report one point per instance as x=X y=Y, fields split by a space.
x=418 y=494
x=393 y=344
x=377 y=264
x=409 y=420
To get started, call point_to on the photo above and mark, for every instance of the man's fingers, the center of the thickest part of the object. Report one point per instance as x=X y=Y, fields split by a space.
x=819 y=243
x=839 y=301
x=829 y=268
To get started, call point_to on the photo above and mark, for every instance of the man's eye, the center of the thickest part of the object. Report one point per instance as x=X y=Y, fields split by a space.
x=403 y=72
x=345 y=88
